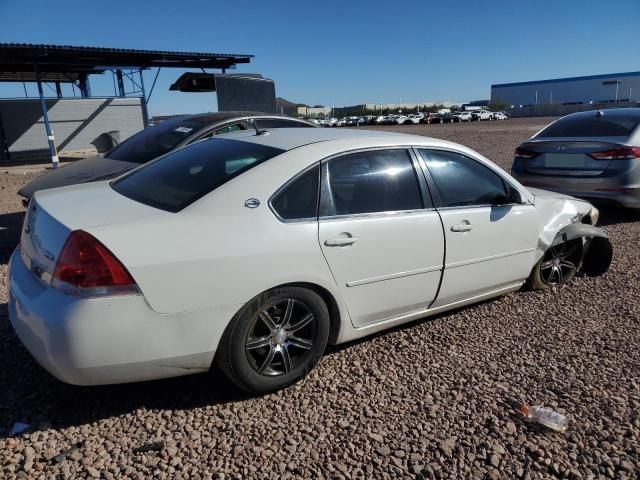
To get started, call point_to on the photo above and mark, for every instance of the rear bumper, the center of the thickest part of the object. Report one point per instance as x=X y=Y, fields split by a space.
x=589 y=188
x=108 y=340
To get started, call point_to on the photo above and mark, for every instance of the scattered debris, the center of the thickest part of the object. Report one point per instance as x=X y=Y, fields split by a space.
x=149 y=447
x=19 y=427
x=545 y=416
x=62 y=456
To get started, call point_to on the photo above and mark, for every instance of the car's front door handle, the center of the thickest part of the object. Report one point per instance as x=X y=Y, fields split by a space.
x=461 y=227
x=340 y=241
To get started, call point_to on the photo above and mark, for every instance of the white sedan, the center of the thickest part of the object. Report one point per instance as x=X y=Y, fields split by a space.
x=252 y=251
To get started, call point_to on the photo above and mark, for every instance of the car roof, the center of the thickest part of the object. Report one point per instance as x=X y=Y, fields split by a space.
x=290 y=138
x=607 y=112
x=205 y=119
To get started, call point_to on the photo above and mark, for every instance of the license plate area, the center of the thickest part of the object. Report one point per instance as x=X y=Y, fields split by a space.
x=565 y=161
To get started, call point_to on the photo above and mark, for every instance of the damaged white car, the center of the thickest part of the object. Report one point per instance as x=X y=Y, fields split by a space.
x=253 y=251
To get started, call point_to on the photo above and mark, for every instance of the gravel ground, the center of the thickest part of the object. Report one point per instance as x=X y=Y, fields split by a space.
x=434 y=399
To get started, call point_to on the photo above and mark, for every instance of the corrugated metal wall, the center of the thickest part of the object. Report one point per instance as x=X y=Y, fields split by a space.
x=596 y=90
x=75 y=123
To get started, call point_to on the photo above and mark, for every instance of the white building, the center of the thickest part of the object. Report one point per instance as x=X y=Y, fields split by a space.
x=609 y=88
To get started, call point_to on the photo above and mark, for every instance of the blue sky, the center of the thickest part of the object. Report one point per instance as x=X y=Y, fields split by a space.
x=340 y=52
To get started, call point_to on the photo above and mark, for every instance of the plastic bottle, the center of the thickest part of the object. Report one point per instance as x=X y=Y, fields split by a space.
x=545 y=416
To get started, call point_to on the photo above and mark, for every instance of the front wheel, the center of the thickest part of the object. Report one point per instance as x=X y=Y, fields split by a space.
x=274 y=340
x=558 y=265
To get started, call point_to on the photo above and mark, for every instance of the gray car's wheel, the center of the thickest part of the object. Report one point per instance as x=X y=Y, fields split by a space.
x=557 y=266
x=274 y=340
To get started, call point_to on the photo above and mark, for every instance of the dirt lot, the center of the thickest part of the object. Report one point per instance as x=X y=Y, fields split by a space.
x=434 y=399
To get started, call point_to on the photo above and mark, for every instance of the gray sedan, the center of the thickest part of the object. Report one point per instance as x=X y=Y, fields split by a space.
x=594 y=155
x=154 y=141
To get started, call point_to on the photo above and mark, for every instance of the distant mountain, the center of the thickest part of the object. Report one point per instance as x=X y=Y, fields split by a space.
x=286 y=107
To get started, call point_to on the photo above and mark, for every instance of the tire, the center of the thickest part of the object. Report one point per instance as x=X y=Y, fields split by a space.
x=545 y=272
x=259 y=356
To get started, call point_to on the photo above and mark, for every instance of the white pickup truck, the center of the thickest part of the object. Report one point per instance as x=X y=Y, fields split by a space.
x=482 y=115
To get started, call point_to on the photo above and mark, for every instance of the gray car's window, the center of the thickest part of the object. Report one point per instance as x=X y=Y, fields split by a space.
x=461 y=181
x=368 y=182
x=280 y=123
x=179 y=178
x=593 y=126
x=154 y=141
x=234 y=127
x=299 y=199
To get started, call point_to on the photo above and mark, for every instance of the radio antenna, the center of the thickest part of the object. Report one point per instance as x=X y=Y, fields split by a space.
x=255 y=127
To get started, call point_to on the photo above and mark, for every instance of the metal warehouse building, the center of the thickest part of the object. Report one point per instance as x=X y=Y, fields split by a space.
x=609 y=88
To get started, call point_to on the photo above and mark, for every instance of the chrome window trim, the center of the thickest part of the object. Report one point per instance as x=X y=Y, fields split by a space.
x=394 y=213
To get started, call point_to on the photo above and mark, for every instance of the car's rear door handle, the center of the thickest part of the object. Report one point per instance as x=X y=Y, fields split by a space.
x=340 y=241
x=465 y=226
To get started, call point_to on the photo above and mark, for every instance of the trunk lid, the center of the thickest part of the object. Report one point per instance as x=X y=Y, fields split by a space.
x=53 y=214
x=567 y=157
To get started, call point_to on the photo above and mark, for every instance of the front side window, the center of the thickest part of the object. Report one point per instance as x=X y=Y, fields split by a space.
x=181 y=177
x=370 y=182
x=461 y=181
x=299 y=198
x=234 y=127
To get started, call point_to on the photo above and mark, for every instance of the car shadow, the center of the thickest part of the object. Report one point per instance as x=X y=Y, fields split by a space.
x=10 y=228
x=29 y=394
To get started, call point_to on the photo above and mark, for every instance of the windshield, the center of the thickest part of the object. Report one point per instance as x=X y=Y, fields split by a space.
x=179 y=178
x=154 y=141
x=593 y=126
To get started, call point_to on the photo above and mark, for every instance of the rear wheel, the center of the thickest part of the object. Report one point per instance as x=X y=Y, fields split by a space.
x=558 y=265
x=275 y=340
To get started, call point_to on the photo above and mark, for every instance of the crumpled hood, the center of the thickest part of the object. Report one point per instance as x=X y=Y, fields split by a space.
x=81 y=171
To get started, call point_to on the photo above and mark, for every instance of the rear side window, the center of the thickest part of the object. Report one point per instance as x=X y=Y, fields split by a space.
x=370 y=182
x=592 y=126
x=461 y=181
x=154 y=141
x=179 y=178
x=299 y=199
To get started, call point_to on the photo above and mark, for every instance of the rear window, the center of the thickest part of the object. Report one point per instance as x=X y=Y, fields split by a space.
x=180 y=178
x=592 y=126
x=154 y=141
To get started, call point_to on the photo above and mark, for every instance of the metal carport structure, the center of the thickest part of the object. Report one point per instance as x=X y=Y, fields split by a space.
x=20 y=63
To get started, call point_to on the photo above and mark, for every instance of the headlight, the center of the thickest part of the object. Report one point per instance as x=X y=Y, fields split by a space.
x=594 y=215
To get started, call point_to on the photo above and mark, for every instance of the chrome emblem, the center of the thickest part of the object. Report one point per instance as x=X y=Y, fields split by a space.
x=561 y=148
x=252 y=203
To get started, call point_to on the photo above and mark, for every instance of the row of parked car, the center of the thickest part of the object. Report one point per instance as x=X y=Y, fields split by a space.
x=413 y=118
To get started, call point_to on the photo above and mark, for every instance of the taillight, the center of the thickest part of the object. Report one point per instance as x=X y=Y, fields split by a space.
x=88 y=267
x=621 y=153
x=524 y=153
